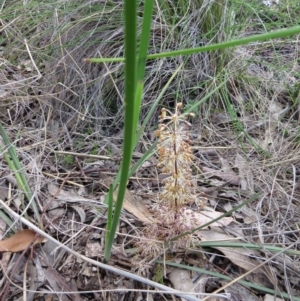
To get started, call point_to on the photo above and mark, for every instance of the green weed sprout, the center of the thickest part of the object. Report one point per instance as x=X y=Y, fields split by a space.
x=11 y=158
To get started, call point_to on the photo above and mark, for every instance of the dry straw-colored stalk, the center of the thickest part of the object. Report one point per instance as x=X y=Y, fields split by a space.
x=175 y=158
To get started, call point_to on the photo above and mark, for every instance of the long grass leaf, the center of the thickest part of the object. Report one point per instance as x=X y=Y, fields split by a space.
x=144 y=39
x=229 y=244
x=16 y=167
x=109 y=215
x=137 y=108
x=130 y=8
x=242 y=41
x=255 y=196
x=221 y=276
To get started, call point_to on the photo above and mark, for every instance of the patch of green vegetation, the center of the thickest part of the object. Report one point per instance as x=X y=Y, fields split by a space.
x=159 y=274
x=286 y=133
x=89 y=131
x=297 y=139
x=281 y=15
x=79 y=143
x=294 y=92
x=95 y=149
x=108 y=151
x=68 y=159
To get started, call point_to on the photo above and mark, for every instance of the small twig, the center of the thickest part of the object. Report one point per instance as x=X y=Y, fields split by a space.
x=83 y=155
x=62 y=179
x=32 y=60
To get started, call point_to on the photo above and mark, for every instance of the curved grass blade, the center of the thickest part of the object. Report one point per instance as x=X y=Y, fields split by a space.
x=237 y=42
x=16 y=168
x=221 y=276
x=109 y=214
x=134 y=75
x=230 y=244
x=255 y=196
x=130 y=7
x=144 y=40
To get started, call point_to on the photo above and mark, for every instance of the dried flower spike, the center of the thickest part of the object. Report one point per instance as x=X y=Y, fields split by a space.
x=175 y=158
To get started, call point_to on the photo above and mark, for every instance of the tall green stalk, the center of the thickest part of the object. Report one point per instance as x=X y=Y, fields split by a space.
x=134 y=75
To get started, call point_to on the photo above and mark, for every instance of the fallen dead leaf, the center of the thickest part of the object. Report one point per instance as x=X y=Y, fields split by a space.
x=133 y=205
x=272 y=298
x=58 y=283
x=225 y=166
x=136 y=208
x=241 y=257
x=80 y=212
x=181 y=280
x=20 y=241
x=228 y=176
x=66 y=196
x=93 y=249
x=196 y=219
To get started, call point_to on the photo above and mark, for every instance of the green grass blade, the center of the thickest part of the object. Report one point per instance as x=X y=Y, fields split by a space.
x=134 y=75
x=154 y=105
x=229 y=244
x=255 y=196
x=221 y=276
x=137 y=109
x=7 y=220
x=202 y=100
x=16 y=167
x=237 y=42
x=151 y=150
x=144 y=40
x=239 y=127
x=130 y=8
x=148 y=154
x=17 y=175
x=109 y=216
x=227 y=44
x=141 y=63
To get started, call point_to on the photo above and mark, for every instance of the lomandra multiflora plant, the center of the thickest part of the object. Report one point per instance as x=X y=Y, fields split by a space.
x=178 y=189
x=175 y=159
